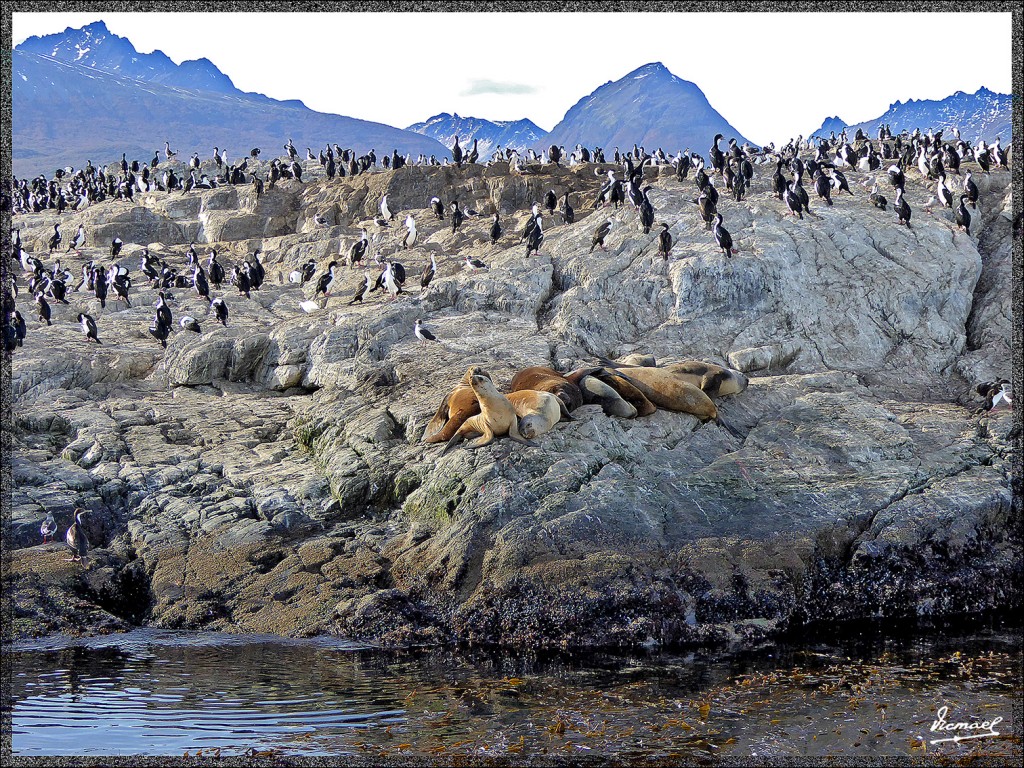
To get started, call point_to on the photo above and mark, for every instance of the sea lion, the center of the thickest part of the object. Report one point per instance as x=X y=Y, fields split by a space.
x=541 y=379
x=538 y=411
x=670 y=391
x=596 y=391
x=714 y=380
x=638 y=359
x=457 y=406
x=496 y=417
x=627 y=392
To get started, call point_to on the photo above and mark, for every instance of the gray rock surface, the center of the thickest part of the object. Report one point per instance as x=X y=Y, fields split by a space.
x=269 y=476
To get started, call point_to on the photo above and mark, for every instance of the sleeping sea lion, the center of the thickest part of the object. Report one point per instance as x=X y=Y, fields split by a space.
x=627 y=392
x=457 y=406
x=714 y=380
x=497 y=417
x=538 y=411
x=541 y=379
x=596 y=391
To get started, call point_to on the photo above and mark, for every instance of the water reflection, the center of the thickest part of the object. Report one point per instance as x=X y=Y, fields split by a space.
x=167 y=694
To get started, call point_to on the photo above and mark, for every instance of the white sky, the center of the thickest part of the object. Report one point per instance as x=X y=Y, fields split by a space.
x=773 y=76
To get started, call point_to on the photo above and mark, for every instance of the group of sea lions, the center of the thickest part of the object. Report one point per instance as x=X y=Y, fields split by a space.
x=540 y=397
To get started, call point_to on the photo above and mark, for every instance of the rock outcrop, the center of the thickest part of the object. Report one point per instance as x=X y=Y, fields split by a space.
x=269 y=475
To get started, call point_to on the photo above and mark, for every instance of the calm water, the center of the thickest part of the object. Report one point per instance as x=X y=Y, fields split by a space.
x=162 y=693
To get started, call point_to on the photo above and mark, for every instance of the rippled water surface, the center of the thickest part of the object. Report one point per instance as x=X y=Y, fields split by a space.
x=161 y=693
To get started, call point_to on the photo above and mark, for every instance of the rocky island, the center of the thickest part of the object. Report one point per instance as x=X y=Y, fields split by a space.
x=269 y=475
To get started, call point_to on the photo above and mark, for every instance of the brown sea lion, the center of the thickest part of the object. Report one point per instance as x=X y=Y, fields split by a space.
x=457 y=406
x=672 y=392
x=538 y=411
x=638 y=359
x=596 y=391
x=541 y=379
x=714 y=380
x=497 y=417
x=628 y=392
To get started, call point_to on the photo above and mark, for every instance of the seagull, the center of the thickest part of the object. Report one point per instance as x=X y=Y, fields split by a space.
x=48 y=528
x=474 y=263
x=423 y=334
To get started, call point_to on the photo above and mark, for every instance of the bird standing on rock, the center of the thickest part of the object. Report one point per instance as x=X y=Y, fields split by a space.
x=664 y=242
x=599 y=235
x=89 y=327
x=76 y=539
x=723 y=238
x=48 y=528
x=423 y=334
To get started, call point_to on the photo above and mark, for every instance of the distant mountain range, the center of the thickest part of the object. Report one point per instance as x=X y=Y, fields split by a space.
x=87 y=94
x=650 y=107
x=515 y=134
x=980 y=115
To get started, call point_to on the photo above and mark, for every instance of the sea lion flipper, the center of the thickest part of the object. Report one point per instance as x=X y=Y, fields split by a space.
x=729 y=428
x=456 y=439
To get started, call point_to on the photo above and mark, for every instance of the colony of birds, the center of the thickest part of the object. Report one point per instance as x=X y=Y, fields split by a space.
x=619 y=183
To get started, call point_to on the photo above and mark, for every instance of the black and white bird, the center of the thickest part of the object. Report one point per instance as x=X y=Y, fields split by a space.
x=536 y=237
x=995 y=392
x=457 y=216
x=189 y=323
x=567 y=213
x=963 y=216
x=220 y=311
x=358 y=250
x=902 y=208
x=599 y=235
x=115 y=247
x=163 y=311
x=160 y=330
x=76 y=539
x=424 y=334
x=78 y=241
x=495 y=229
x=362 y=289
x=723 y=238
x=89 y=327
x=474 y=263
x=55 y=238
x=43 y=308
x=876 y=199
x=437 y=207
x=385 y=210
x=943 y=193
x=664 y=242
x=971 y=190
x=410 y=236
x=326 y=282
x=48 y=528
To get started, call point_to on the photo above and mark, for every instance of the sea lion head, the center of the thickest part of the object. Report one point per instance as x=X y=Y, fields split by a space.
x=528 y=426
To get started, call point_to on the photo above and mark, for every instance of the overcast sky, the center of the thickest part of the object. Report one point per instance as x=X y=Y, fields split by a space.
x=772 y=76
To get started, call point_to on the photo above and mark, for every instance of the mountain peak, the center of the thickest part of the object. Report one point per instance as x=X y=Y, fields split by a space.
x=98 y=27
x=643 y=107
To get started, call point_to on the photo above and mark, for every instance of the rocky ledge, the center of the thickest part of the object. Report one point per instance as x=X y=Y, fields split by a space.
x=270 y=476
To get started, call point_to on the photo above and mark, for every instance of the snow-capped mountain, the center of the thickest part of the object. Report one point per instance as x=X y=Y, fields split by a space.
x=87 y=94
x=490 y=134
x=650 y=107
x=980 y=115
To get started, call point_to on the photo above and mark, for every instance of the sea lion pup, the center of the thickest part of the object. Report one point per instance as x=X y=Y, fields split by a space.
x=597 y=392
x=457 y=406
x=541 y=379
x=672 y=392
x=714 y=380
x=538 y=411
x=497 y=417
